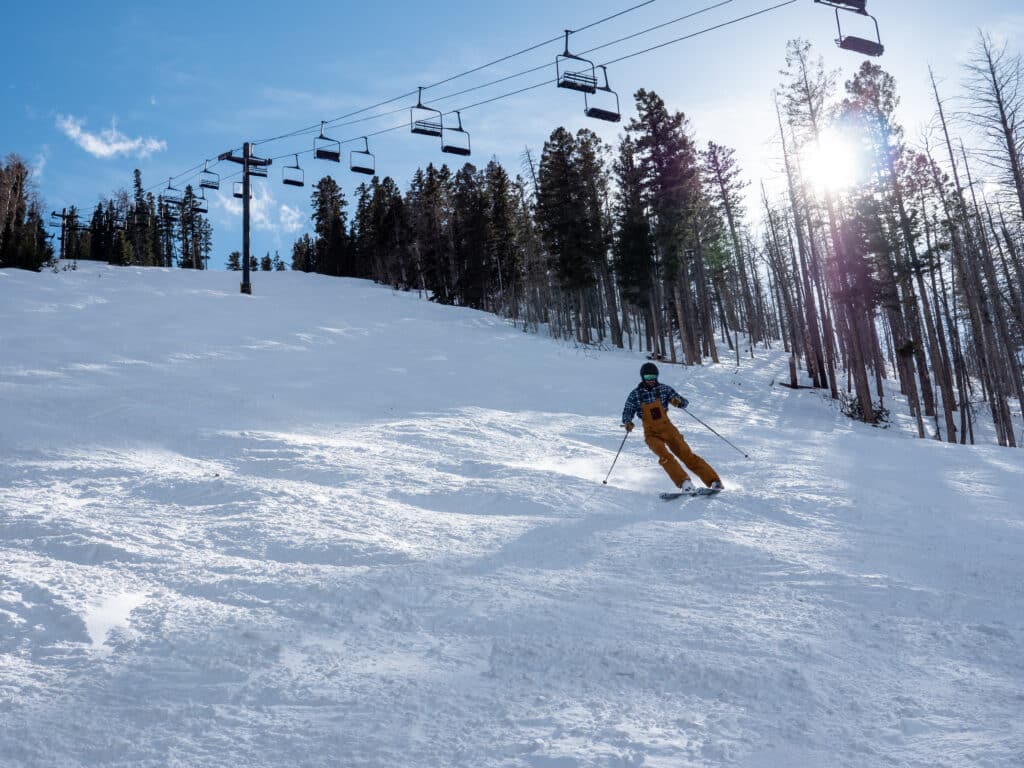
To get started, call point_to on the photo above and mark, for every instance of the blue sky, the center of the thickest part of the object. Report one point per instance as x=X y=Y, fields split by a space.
x=95 y=90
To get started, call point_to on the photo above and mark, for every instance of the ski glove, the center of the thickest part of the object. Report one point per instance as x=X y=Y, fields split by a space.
x=629 y=426
x=679 y=402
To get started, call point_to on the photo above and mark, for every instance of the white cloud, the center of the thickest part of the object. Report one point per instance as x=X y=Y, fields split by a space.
x=261 y=209
x=39 y=164
x=107 y=143
x=291 y=218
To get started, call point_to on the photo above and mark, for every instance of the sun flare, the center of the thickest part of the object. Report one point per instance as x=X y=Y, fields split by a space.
x=831 y=164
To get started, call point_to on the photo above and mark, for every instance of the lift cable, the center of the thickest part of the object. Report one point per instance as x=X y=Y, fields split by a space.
x=413 y=93
x=709 y=29
x=546 y=65
x=535 y=86
x=459 y=75
x=198 y=167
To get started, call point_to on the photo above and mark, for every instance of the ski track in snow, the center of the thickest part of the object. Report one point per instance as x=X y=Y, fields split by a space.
x=330 y=524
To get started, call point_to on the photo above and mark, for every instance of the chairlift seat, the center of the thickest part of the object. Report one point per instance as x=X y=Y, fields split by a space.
x=603 y=114
x=427 y=127
x=362 y=160
x=423 y=125
x=325 y=148
x=327 y=154
x=293 y=175
x=861 y=45
x=258 y=170
x=455 y=149
x=578 y=81
x=239 y=191
x=211 y=181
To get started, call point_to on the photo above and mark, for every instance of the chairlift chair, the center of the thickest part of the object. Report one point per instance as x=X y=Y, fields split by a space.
x=293 y=175
x=259 y=171
x=325 y=148
x=601 y=113
x=362 y=161
x=861 y=45
x=172 y=194
x=200 y=204
x=239 y=191
x=425 y=121
x=208 y=179
x=455 y=145
x=584 y=79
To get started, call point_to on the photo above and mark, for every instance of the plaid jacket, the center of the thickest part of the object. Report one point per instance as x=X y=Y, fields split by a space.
x=642 y=396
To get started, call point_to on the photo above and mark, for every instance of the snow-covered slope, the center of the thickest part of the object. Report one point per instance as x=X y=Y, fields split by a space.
x=333 y=525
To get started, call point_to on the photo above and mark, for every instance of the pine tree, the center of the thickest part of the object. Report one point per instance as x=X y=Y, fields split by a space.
x=304 y=254
x=332 y=253
x=671 y=174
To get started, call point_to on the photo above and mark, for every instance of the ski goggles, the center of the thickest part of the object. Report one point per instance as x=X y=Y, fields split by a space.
x=650 y=377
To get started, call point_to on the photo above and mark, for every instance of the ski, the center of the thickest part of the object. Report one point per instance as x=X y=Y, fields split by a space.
x=698 y=492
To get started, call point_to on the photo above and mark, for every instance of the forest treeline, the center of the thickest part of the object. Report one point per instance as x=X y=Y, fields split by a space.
x=913 y=272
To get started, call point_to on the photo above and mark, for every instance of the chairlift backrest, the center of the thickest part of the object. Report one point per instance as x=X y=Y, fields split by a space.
x=325 y=148
x=574 y=72
x=457 y=144
x=258 y=170
x=362 y=161
x=603 y=113
x=426 y=121
x=293 y=175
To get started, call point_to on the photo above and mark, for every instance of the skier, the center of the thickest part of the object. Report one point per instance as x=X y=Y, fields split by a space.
x=651 y=400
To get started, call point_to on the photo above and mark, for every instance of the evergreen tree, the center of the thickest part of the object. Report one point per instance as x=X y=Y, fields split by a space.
x=304 y=254
x=332 y=253
x=470 y=237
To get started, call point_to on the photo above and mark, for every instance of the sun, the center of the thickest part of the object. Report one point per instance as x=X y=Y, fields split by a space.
x=832 y=163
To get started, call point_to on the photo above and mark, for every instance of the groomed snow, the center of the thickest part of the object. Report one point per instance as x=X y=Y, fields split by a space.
x=334 y=525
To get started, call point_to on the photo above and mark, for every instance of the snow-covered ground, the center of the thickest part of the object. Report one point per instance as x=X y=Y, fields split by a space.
x=334 y=525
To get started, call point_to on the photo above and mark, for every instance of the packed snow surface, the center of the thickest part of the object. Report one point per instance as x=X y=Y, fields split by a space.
x=335 y=525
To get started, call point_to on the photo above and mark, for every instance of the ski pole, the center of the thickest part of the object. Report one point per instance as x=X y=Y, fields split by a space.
x=605 y=482
x=745 y=455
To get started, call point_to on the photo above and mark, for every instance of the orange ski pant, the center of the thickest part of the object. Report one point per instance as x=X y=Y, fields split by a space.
x=662 y=437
